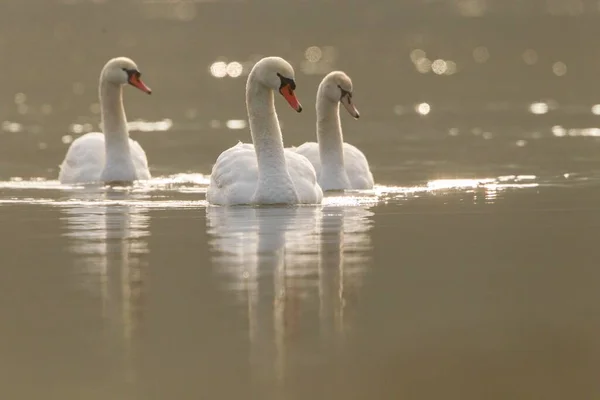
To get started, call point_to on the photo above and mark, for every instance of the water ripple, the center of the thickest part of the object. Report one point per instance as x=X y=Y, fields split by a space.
x=181 y=182
x=158 y=192
x=156 y=204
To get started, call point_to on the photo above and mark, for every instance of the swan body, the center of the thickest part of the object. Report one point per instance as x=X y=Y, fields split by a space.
x=264 y=172
x=111 y=156
x=338 y=165
x=354 y=175
x=86 y=160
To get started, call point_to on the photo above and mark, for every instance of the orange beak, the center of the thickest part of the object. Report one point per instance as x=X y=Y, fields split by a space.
x=287 y=92
x=137 y=82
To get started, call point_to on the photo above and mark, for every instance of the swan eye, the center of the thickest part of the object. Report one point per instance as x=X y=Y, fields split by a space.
x=345 y=93
x=286 y=82
x=132 y=73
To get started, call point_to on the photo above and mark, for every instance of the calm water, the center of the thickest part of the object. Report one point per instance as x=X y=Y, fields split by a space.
x=469 y=272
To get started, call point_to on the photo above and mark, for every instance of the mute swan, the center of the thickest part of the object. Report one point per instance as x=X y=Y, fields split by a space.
x=110 y=157
x=263 y=172
x=338 y=165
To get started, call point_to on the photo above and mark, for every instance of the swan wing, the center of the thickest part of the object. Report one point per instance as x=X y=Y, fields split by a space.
x=304 y=177
x=84 y=160
x=357 y=168
x=140 y=161
x=234 y=176
x=310 y=150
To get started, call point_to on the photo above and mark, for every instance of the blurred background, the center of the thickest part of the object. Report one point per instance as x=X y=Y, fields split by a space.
x=445 y=87
x=470 y=272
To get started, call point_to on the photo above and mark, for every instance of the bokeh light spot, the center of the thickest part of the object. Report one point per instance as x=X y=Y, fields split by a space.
x=417 y=55
x=530 y=57
x=538 y=108
x=218 y=69
x=234 y=69
x=423 y=108
x=439 y=67
x=559 y=68
x=423 y=65
x=313 y=54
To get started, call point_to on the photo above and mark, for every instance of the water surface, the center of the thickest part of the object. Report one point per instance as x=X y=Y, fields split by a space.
x=469 y=272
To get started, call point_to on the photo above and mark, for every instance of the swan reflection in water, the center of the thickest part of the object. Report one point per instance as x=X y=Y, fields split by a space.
x=109 y=238
x=297 y=270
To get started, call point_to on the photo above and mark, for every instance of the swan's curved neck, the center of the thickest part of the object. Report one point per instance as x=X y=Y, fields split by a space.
x=114 y=121
x=266 y=136
x=330 y=138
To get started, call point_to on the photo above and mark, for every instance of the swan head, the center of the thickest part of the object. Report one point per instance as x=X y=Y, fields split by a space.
x=337 y=86
x=123 y=71
x=277 y=74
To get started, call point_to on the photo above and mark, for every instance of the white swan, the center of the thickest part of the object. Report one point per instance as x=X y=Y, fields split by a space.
x=338 y=165
x=265 y=173
x=111 y=157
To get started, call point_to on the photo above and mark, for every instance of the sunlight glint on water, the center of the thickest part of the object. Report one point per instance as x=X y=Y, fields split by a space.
x=468 y=272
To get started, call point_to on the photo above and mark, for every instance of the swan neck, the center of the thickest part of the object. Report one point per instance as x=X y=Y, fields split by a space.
x=114 y=121
x=265 y=130
x=329 y=135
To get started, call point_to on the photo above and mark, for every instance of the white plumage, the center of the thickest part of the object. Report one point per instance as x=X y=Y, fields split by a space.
x=338 y=165
x=263 y=172
x=110 y=156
